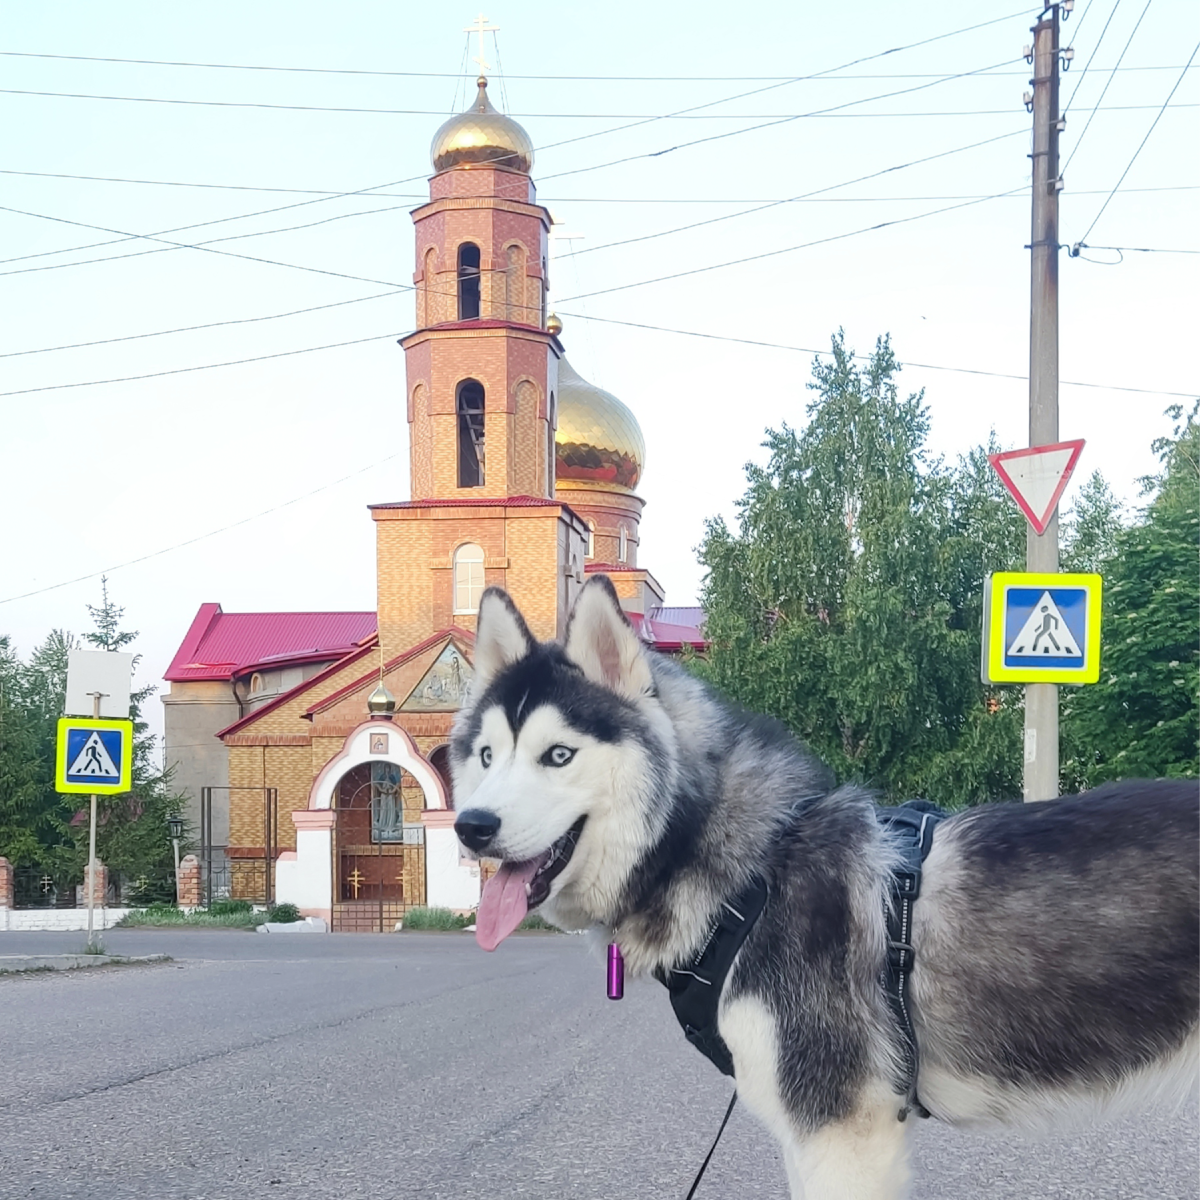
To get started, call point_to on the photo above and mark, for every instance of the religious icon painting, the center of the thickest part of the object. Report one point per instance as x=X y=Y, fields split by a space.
x=379 y=743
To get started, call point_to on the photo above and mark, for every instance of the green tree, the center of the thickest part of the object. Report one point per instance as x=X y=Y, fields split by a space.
x=1142 y=718
x=848 y=601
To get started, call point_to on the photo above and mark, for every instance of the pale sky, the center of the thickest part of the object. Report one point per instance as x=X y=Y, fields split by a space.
x=97 y=476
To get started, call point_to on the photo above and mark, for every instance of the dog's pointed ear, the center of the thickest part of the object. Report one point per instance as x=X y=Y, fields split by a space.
x=501 y=637
x=602 y=643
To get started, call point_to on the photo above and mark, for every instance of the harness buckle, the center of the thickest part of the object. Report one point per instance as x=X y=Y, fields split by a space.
x=908 y=884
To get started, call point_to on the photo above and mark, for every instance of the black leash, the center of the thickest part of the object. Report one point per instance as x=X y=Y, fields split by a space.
x=708 y=1156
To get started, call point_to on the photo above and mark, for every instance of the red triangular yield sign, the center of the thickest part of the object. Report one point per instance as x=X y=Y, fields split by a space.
x=1037 y=477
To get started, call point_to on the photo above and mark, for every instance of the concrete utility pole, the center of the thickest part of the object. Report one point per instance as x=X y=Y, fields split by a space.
x=1041 y=554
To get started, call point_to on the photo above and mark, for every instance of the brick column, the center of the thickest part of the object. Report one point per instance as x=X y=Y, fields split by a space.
x=189 y=881
x=101 y=889
x=6 y=883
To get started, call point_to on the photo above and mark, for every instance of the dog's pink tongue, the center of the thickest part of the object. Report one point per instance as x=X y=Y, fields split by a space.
x=503 y=905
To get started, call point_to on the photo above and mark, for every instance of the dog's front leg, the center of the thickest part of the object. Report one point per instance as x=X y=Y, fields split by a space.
x=864 y=1157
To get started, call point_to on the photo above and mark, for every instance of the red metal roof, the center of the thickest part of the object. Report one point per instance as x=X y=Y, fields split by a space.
x=673 y=628
x=220 y=645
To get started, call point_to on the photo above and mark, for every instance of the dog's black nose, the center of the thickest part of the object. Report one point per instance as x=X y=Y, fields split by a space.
x=476 y=827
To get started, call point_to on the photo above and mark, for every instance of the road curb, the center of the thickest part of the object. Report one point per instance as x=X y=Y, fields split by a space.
x=11 y=964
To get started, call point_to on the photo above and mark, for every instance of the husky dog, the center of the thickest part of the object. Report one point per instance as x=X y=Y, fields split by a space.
x=1056 y=944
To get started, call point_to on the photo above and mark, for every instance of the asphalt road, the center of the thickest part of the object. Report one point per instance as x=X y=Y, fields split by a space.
x=344 y=1066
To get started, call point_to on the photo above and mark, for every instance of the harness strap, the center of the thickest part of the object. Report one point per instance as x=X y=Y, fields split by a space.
x=696 y=986
x=911 y=826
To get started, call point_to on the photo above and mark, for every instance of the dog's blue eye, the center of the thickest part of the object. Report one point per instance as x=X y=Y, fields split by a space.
x=485 y=756
x=557 y=756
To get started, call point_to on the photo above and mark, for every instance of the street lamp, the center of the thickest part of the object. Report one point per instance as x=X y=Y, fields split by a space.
x=175 y=828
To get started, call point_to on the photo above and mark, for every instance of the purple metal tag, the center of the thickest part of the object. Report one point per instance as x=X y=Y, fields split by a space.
x=616 y=972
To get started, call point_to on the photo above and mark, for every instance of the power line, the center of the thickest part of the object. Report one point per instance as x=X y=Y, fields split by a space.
x=194 y=246
x=571 y=116
x=718 y=337
x=837 y=237
x=334 y=194
x=203 y=536
x=1095 y=50
x=133 y=337
x=237 y=362
x=232 y=237
x=151 y=62
x=754 y=128
x=794 y=199
x=1141 y=144
x=1104 y=91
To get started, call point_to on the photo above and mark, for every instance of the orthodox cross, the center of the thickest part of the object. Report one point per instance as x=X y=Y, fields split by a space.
x=480 y=26
x=355 y=879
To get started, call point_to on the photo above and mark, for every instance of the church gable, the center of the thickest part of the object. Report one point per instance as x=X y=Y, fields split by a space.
x=443 y=687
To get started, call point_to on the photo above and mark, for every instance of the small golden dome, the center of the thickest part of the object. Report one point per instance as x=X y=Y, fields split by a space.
x=598 y=441
x=481 y=136
x=553 y=325
x=381 y=702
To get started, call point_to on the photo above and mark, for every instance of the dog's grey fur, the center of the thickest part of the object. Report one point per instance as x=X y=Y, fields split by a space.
x=1056 y=944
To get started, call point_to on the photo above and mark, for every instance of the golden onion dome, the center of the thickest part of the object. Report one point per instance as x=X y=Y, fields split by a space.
x=481 y=136
x=599 y=441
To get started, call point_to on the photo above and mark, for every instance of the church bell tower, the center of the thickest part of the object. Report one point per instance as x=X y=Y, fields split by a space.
x=482 y=377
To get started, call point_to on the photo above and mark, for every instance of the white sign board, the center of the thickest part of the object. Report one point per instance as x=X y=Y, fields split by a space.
x=104 y=671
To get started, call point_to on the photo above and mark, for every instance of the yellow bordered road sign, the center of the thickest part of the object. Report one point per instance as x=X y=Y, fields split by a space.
x=1041 y=628
x=94 y=756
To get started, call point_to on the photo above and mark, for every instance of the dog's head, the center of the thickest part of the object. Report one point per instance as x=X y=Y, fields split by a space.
x=555 y=758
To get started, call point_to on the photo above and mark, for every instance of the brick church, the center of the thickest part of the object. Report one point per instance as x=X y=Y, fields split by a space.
x=313 y=745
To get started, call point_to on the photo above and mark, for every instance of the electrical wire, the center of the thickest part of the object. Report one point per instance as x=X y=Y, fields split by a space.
x=755 y=128
x=1141 y=145
x=1104 y=92
x=837 y=237
x=333 y=194
x=1091 y=57
x=718 y=337
x=203 y=536
x=237 y=362
x=150 y=62
x=231 y=237
x=795 y=199
x=133 y=337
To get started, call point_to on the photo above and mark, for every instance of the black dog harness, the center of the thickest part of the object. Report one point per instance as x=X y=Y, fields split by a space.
x=695 y=987
x=911 y=825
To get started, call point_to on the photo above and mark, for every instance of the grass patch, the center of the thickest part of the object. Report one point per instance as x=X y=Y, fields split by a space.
x=159 y=916
x=444 y=921
x=535 y=923
x=437 y=918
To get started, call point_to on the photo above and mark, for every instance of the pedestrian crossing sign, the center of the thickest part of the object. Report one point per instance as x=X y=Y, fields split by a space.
x=94 y=756
x=1041 y=628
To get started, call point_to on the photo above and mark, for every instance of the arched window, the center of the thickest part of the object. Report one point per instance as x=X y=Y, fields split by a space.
x=256 y=684
x=429 y=288
x=468 y=578
x=470 y=433
x=591 y=541
x=623 y=548
x=551 y=453
x=439 y=760
x=514 y=286
x=468 y=282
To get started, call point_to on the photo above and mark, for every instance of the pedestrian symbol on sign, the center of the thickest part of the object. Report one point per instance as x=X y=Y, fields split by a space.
x=94 y=760
x=1045 y=633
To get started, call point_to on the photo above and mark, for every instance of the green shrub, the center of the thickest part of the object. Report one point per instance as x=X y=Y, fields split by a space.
x=283 y=913
x=227 y=908
x=436 y=918
x=533 y=921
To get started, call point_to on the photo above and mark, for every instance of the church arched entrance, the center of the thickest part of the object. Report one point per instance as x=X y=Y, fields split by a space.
x=378 y=847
